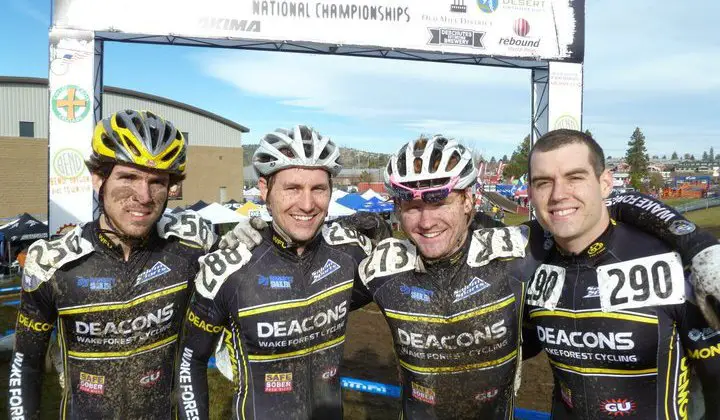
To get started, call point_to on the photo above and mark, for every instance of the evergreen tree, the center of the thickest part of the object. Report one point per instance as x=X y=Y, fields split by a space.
x=505 y=159
x=674 y=156
x=518 y=164
x=711 y=155
x=492 y=160
x=589 y=133
x=705 y=157
x=636 y=157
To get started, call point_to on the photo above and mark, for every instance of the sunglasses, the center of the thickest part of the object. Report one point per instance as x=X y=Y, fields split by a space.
x=429 y=195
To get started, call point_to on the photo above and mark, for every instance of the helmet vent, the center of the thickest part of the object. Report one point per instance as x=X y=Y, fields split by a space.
x=130 y=146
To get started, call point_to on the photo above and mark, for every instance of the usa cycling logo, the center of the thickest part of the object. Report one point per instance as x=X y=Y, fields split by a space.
x=329 y=268
x=276 y=282
x=156 y=271
x=416 y=293
x=476 y=285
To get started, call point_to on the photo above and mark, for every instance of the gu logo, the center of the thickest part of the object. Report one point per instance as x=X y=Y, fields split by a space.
x=618 y=407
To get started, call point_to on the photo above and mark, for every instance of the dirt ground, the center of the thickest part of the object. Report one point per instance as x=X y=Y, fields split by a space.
x=369 y=355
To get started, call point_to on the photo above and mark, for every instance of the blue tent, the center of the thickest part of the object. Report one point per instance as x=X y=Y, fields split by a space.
x=376 y=205
x=352 y=201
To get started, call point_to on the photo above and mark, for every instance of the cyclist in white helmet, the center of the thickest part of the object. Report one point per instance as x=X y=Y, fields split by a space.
x=284 y=306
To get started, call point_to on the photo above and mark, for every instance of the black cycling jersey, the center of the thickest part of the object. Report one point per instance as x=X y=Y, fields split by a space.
x=454 y=323
x=117 y=320
x=285 y=316
x=619 y=332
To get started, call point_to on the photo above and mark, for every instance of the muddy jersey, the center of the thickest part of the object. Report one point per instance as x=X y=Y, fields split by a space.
x=620 y=334
x=117 y=321
x=285 y=317
x=454 y=323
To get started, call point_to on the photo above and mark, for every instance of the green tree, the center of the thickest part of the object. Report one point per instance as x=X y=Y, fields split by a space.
x=711 y=155
x=674 y=156
x=686 y=156
x=505 y=159
x=664 y=157
x=492 y=160
x=657 y=182
x=705 y=156
x=518 y=164
x=589 y=133
x=636 y=157
x=692 y=157
x=656 y=157
x=365 y=176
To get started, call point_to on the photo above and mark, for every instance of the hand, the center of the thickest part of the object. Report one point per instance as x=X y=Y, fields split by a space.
x=706 y=281
x=369 y=224
x=245 y=232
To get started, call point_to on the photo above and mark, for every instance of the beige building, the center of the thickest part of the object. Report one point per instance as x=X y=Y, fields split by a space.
x=215 y=157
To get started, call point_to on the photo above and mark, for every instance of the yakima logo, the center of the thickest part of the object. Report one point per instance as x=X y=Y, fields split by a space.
x=522 y=27
x=618 y=407
x=128 y=326
x=586 y=339
x=236 y=25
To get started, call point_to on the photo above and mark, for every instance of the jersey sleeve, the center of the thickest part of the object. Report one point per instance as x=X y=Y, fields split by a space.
x=361 y=296
x=662 y=221
x=35 y=323
x=673 y=369
x=207 y=316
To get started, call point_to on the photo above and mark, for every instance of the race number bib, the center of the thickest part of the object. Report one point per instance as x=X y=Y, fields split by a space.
x=391 y=256
x=490 y=244
x=45 y=257
x=649 y=281
x=217 y=266
x=338 y=235
x=188 y=226
x=546 y=286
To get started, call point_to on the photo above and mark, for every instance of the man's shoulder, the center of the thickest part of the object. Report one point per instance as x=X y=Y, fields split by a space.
x=216 y=267
x=45 y=257
x=337 y=235
x=633 y=241
x=190 y=229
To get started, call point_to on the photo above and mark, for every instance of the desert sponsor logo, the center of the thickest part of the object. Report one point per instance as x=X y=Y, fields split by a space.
x=150 y=378
x=231 y=25
x=276 y=282
x=15 y=392
x=92 y=384
x=456 y=37
x=329 y=268
x=95 y=283
x=475 y=286
x=487 y=6
x=154 y=272
x=31 y=324
x=618 y=407
x=476 y=337
x=128 y=326
x=586 y=339
x=487 y=395
x=424 y=394
x=300 y=326
x=705 y=334
x=524 y=5
x=278 y=382
x=592 y=292
x=416 y=293
x=187 y=394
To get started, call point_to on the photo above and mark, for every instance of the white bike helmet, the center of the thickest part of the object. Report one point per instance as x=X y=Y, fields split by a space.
x=423 y=163
x=302 y=147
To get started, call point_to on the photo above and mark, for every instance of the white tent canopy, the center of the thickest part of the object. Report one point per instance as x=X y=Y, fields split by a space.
x=370 y=194
x=217 y=214
x=337 y=210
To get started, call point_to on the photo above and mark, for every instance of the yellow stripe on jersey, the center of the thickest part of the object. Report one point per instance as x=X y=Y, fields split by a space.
x=670 y=367
x=296 y=304
x=122 y=354
x=124 y=305
x=453 y=318
x=461 y=368
x=298 y=353
x=650 y=319
x=603 y=370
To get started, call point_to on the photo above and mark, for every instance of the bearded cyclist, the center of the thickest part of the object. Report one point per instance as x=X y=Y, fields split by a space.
x=284 y=305
x=609 y=304
x=116 y=286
